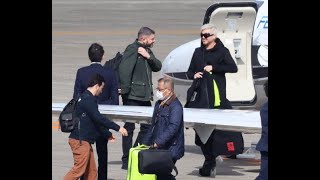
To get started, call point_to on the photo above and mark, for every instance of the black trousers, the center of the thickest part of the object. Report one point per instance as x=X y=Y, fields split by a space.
x=168 y=176
x=102 y=152
x=208 y=152
x=127 y=140
x=207 y=148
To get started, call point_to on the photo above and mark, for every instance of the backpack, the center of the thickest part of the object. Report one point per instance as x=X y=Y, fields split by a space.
x=114 y=65
x=114 y=62
x=67 y=118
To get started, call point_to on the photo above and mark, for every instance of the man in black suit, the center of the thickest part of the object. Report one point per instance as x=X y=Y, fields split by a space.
x=109 y=96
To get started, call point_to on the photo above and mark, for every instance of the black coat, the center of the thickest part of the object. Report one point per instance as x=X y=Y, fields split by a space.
x=197 y=94
x=222 y=62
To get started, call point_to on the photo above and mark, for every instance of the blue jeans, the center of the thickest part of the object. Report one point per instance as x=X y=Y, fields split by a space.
x=263 y=175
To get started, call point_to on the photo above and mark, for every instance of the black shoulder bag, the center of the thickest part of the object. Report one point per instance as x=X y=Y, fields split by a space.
x=155 y=161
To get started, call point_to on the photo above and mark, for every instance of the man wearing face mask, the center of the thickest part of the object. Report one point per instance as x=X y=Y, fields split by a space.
x=135 y=73
x=166 y=131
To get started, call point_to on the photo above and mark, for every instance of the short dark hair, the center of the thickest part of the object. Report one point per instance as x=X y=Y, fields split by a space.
x=145 y=31
x=96 y=79
x=265 y=87
x=95 y=52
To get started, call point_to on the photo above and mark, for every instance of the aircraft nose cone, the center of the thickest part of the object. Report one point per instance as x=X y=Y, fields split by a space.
x=178 y=60
x=166 y=64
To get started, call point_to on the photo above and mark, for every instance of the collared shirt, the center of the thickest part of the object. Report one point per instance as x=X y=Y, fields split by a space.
x=168 y=101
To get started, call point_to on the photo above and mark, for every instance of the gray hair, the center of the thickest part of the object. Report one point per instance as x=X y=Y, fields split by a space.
x=212 y=28
x=145 y=31
x=168 y=82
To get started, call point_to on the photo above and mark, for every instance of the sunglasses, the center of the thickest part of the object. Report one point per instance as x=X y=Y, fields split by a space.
x=206 y=35
x=161 y=89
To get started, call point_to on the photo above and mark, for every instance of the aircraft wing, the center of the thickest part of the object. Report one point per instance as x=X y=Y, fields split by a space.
x=204 y=121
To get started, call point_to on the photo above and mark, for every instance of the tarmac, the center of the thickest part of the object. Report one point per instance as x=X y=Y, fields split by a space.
x=188 y=166
x=114 y=24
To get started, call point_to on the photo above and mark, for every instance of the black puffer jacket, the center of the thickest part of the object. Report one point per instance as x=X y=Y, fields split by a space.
x=222 y=62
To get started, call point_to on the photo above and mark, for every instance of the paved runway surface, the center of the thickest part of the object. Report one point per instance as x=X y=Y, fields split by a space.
x=188 y=166
x=78 y=23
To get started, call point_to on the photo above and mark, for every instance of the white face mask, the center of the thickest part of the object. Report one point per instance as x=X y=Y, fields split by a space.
x=159 y=95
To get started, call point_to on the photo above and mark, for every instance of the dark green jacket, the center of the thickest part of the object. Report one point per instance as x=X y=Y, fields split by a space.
x=135 y=73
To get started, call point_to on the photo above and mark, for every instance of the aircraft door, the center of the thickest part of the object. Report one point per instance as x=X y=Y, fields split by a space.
x=235 y=23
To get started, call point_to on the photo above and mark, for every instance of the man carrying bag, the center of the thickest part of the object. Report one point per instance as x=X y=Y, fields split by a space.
x=167 y=128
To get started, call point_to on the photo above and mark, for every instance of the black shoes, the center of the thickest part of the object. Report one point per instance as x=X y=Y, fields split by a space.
x=208 y=171
x=124 y=166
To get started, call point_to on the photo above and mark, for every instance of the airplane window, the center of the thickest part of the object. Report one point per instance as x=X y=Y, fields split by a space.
x=234 y=14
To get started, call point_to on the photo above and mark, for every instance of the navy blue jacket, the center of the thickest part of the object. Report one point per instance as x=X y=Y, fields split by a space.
x=109 y=93
x=91 y=121
x=167 y=129
x=263 y=142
